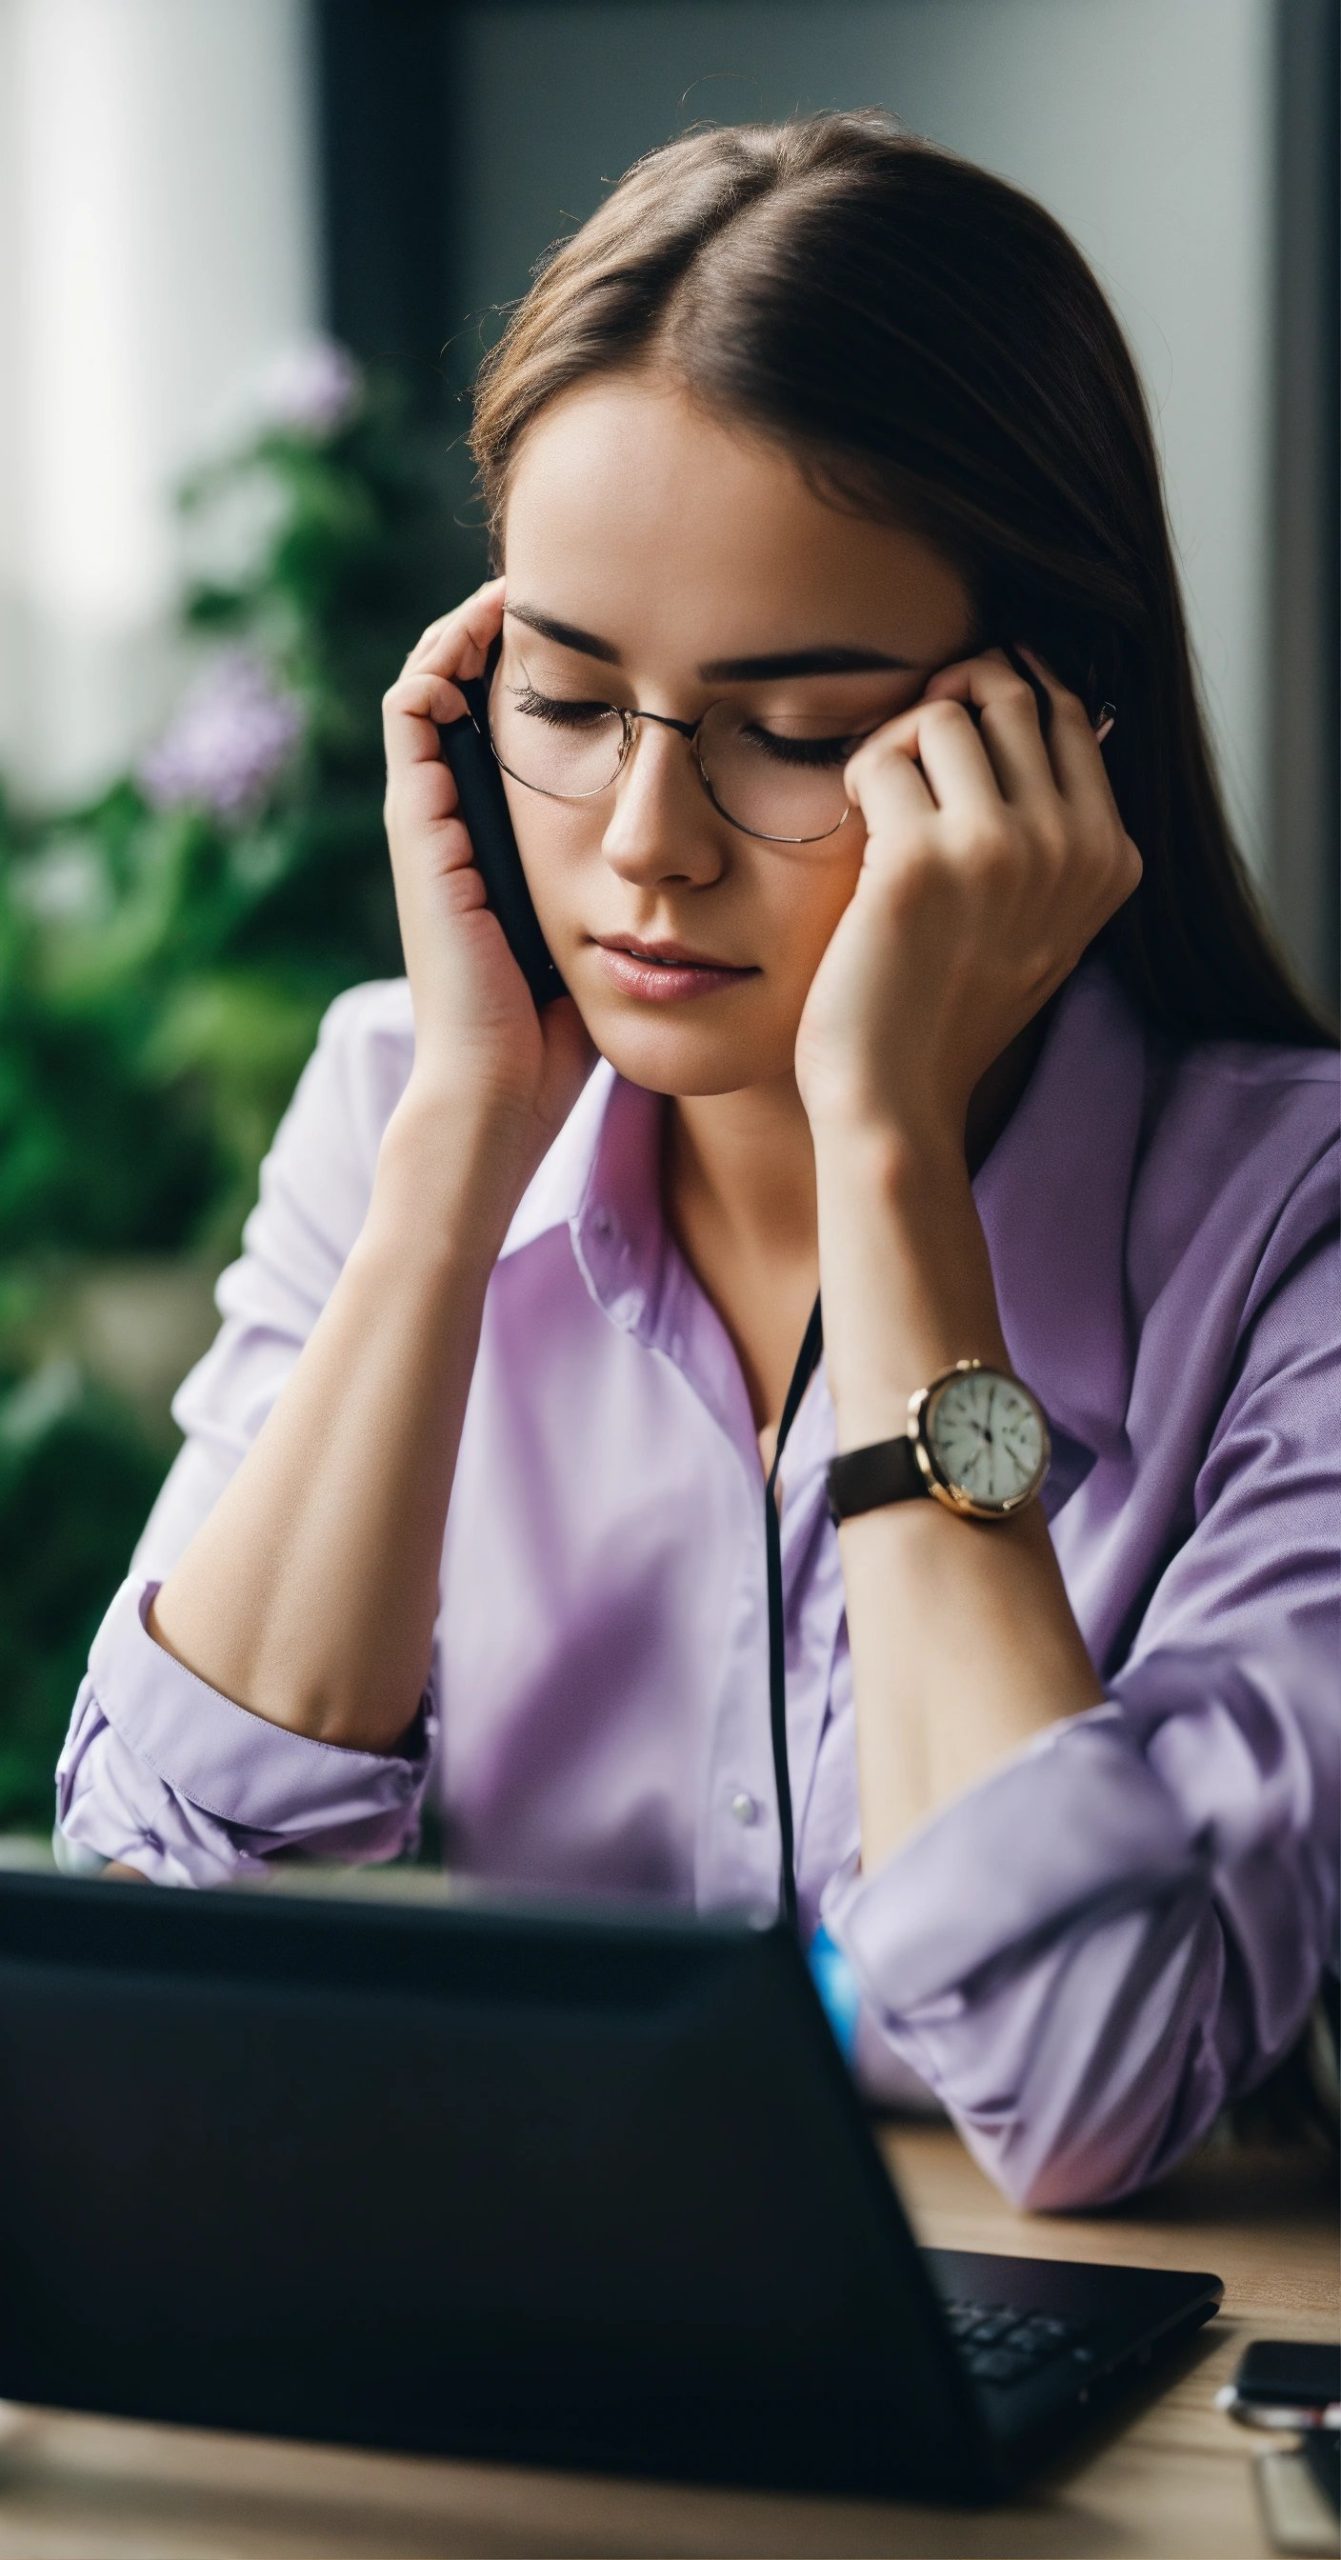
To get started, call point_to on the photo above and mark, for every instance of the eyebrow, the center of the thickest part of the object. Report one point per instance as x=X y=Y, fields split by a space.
x=835 y=660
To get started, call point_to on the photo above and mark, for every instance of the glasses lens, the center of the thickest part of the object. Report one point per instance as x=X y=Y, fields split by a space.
x=782 y=777
x=568 y=747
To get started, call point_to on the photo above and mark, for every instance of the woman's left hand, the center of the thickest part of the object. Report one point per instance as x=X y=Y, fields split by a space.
x=985 y=876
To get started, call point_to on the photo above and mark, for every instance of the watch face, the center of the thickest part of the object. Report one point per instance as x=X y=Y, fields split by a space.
x=986 y=1436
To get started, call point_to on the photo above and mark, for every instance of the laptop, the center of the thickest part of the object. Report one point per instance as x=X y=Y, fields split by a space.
x=536 y=2182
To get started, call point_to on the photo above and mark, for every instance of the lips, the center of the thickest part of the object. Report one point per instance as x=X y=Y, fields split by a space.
x=673 y=956
x=668 y=982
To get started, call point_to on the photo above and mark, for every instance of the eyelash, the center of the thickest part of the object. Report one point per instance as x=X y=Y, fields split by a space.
x=569 y=715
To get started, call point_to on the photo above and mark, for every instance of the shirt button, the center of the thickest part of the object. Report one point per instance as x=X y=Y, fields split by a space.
x=628 y=1307
x=601 y=1222
x=743 y=1807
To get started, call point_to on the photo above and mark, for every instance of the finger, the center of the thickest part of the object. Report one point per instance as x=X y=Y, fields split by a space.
x=476 y=617
x=412 y=709
x=1082 y=775
x=1008 y=721
x=883 y=783
x=424 y=696
x=422 y=801
x=458 y=641
x=952 y=755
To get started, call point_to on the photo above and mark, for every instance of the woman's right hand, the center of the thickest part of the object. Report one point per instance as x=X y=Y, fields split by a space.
x=480 y=1041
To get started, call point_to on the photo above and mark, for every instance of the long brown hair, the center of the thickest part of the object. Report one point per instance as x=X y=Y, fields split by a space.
x=931 y=349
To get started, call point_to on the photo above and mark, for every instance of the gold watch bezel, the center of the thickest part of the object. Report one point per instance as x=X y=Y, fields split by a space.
x=943 y=1488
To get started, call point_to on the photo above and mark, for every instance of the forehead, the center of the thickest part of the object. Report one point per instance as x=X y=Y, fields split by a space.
x=629 y=507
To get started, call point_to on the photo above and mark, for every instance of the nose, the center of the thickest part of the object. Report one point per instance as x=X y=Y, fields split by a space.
x=662 y=821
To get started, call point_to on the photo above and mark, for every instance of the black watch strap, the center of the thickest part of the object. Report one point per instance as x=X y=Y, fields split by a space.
x=861 y=1479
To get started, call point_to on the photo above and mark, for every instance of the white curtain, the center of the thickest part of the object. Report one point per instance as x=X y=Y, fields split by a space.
x=157 y=247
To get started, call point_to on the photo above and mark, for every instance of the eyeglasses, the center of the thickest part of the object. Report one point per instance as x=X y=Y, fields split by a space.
x=783 y=782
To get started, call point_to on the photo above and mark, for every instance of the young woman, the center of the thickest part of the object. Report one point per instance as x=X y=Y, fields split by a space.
x=827 y=522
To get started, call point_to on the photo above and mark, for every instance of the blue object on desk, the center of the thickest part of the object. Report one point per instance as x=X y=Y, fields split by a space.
x=837 y=1987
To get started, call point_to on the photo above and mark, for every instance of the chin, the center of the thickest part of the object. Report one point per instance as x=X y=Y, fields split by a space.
x=679 y=1060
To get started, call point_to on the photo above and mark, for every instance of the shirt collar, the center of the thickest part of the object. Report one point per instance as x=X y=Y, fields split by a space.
x=1053 y=1196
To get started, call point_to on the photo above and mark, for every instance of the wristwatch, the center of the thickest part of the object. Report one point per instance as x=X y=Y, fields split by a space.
x=977 y=1441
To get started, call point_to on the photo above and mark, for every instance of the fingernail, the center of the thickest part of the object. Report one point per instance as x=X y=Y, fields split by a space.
x=1101 y=734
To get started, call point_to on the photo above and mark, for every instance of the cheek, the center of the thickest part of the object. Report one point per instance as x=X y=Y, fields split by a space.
x=830 y=894
x=549 y=841
x=795 y=920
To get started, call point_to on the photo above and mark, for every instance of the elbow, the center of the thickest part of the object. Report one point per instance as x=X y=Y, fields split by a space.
x=1083 y=2176
x=1108 y=2162
x=1106 y=2154
x=1086 y=2083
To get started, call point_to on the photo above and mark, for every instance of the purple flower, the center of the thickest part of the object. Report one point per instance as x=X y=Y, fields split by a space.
x=311 y=387
x=231 y=737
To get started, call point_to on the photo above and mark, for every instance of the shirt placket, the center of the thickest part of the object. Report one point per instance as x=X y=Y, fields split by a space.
x=739 y=1852
x=738 y=1836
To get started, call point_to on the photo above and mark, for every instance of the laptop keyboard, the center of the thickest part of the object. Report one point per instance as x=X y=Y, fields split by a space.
x=1004 y=2346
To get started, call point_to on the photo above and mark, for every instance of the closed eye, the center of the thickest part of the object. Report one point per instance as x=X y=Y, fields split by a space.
x=577 y=715
x=560 y=715
x=813 y=751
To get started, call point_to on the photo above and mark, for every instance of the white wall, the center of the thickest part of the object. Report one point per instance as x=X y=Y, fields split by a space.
x=1144 y=125
x=157 y=242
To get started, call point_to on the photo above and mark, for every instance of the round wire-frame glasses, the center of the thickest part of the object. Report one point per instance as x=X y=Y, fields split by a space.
x=688 y=729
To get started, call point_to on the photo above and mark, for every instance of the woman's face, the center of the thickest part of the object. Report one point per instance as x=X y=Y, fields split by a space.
x=636 y=520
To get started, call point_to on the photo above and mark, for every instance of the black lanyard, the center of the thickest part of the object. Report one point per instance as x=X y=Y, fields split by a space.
x=777 y=1675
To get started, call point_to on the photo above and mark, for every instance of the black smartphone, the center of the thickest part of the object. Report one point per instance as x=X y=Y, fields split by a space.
x=1285 y=2382
x=479 y=786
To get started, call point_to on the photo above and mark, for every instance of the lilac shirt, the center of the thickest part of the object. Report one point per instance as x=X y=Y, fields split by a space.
x=1125 y=1921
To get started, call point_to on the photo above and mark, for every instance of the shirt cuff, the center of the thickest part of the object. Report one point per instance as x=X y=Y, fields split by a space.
x=1075 y=1821
x=239 y=1767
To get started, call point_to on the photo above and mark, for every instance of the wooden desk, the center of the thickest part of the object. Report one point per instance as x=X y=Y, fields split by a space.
x=1172 y=2481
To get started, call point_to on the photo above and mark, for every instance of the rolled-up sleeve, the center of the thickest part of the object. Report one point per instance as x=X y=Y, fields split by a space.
x=1124 y=1925
x=158 y=1768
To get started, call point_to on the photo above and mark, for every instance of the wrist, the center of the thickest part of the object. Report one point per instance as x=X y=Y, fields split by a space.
x=903 y=1162
x=450 y=1173
x=905 y=1277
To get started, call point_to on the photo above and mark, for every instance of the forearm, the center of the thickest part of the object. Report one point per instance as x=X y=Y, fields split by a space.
x=309 y=1593
x=962 y=1639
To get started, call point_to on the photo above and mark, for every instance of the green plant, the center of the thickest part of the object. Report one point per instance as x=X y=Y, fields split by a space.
x=77 y=1477
x=167 y=949
x=168 y=946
